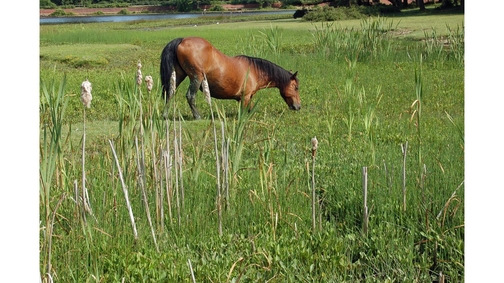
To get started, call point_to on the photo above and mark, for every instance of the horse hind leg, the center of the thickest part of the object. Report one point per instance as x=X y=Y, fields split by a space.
x=191 y=96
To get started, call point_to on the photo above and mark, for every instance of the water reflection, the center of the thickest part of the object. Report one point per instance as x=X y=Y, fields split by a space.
x=126 y=18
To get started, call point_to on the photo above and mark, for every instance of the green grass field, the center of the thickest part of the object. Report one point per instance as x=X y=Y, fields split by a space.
x=368 y=88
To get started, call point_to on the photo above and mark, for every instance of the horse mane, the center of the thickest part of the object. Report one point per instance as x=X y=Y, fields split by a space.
x=275 y=73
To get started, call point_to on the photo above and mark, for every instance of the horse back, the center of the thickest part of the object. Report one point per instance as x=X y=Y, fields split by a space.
x=225 y=74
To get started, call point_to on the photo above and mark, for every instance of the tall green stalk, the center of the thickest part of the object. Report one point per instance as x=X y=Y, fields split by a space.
x=53 y=105
x=245 y=114
x=349 y=97
x=417 y=111
x=370 y=122
x=273 y=39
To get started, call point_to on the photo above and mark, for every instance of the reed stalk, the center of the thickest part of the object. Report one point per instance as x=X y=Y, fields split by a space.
x=145 y=200
x=180 y=163
x=460 y=130
x=272 y=39
x=225 y=163
x=365 y=212
x=449 y=200
x=176 y=153
x=125 y=191
x=404 y=149
x=245 y=114
x=417 y=111
x=191 y=270
x=206 y=92
x=314 y=143
x=156 y=180
x=370 y=121
x=86 y=99
x=84 y=161
x=50 y=234
x=168 y=177
x=349 y=97
x=53 y=105
x=168 y=171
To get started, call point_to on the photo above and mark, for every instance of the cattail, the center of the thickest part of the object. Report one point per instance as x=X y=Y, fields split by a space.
x=86 y=96
x=139 y=74
x=149 y=82
x=314 y=143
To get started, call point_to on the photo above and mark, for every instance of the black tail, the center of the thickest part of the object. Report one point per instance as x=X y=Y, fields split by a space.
x=168 y=61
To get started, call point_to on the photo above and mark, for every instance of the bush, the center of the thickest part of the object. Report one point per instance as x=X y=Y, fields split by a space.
x=217 y=8
x=328 y=13
x=124 y=12
x=61 y=13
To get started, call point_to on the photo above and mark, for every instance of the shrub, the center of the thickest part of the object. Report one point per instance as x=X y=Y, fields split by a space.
x=217 y=8
x=61 y=13
x=124 y=12
x=328 y=13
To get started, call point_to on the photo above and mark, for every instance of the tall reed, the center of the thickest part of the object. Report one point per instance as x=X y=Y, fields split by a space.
x=314 y=143
x=272 y=39
x=372 y=40
x=370 y=122
x=86 y=98
x=349 y=96
x=456 y=40
x=416 y=106
x=52 y=108
x=208 y=98
x=239 y=127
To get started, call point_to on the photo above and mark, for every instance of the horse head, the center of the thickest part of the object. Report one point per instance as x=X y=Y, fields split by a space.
x=290 y=92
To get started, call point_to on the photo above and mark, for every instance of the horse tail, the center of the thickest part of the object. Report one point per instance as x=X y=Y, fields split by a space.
x=167 y=68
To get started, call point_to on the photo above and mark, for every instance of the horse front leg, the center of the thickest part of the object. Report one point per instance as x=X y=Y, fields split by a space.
x=247 y=101
x=191 y=96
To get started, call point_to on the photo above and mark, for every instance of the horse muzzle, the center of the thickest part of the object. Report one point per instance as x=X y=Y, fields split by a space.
x=295 y=106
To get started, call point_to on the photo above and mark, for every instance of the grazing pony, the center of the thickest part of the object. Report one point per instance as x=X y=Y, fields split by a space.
x=228 y=77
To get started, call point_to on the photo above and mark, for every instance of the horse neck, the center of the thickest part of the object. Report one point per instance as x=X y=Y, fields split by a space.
x=269 y=74
x=268 y=81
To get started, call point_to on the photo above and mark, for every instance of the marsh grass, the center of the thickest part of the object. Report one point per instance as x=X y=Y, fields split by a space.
x=371 y=39
x=267 y=233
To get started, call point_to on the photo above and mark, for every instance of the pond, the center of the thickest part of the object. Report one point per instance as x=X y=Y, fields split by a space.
x=126 y=18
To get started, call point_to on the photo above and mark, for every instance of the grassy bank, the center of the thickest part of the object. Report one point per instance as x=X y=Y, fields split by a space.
x=384 y=94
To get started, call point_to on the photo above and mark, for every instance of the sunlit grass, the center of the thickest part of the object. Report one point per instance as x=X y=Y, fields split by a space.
x=267 y=232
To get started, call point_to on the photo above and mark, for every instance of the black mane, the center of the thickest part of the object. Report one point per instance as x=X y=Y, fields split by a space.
x=274 y=72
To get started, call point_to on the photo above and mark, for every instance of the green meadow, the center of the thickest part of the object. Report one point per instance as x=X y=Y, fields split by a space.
x=241 y=195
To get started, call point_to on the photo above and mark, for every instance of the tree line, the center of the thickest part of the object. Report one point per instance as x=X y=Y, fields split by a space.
x=337 y=3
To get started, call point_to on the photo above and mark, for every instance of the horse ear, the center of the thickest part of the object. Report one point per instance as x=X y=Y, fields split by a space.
x=294 y=75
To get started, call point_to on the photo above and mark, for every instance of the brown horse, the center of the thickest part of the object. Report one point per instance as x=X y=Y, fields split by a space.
x=227 y=77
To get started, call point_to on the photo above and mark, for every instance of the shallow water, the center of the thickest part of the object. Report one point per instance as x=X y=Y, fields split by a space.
x=126 y=18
